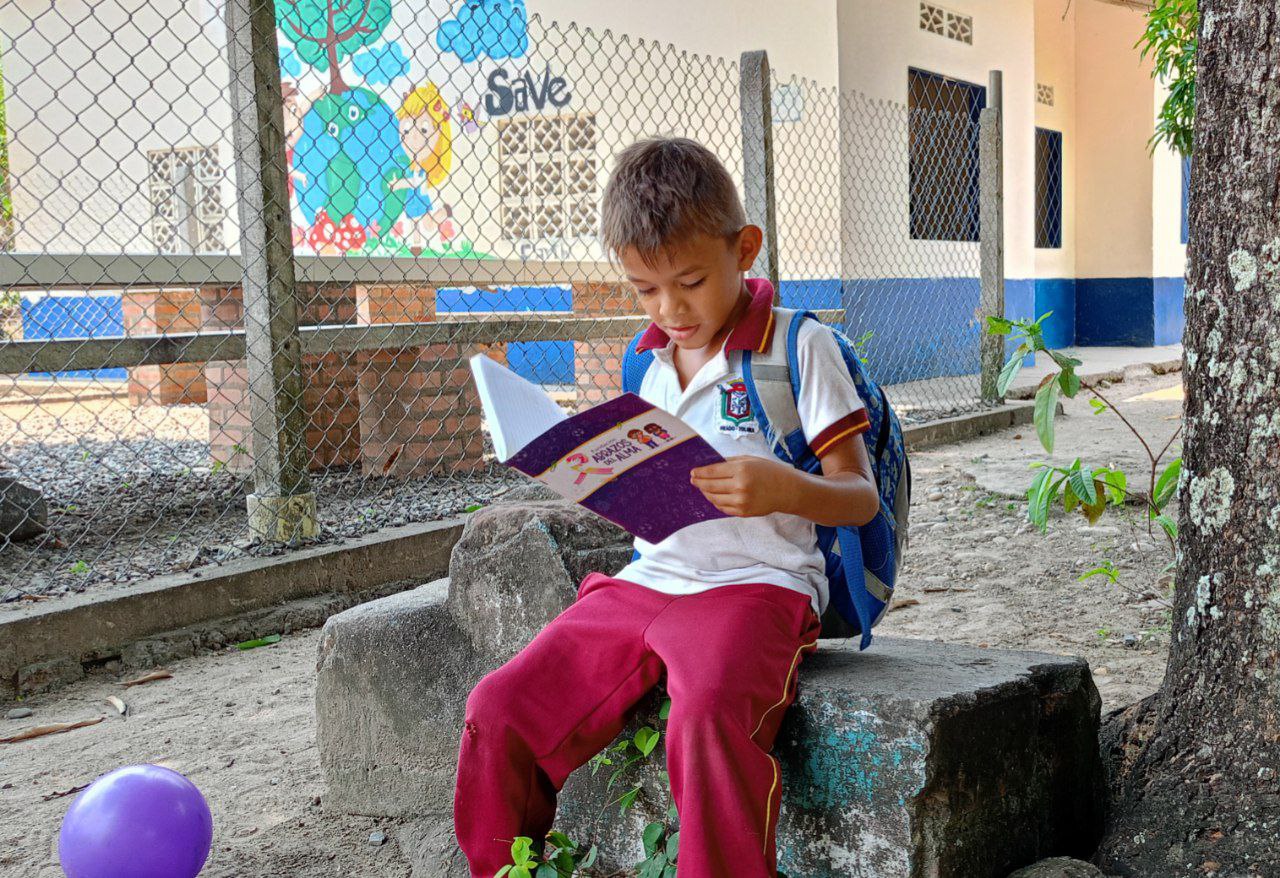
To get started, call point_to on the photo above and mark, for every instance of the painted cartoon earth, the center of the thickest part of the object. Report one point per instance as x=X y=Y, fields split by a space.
x=350 y=154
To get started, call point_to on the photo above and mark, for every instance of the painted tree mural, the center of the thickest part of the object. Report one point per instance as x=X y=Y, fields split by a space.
x=325 y=32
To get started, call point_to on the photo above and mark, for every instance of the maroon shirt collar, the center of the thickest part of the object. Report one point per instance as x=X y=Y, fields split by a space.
x=754 y=331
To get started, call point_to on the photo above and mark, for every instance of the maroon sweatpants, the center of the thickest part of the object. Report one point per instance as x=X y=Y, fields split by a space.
x=730 y=655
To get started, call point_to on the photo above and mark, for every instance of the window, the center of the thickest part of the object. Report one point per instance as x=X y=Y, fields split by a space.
x=547 y=177
x=1186 y=196
x=1048 y=188
x=185 y=186
x=942 y=135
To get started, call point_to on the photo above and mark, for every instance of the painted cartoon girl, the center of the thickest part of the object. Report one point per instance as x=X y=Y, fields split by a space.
x=656 y=430
x=426 y=133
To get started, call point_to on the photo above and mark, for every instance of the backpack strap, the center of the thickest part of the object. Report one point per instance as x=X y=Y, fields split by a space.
x=772 y=378
x=635 y=363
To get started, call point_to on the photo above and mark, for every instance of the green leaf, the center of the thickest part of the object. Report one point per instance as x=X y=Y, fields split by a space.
x=1041 y=319
x=1011 y=368
x=1098 y=406
x=1039 y=496
x=1116 y=485
x=1106 y=569
x=671 y=812
x=521 y=871
x=665 y=710
x=559 y=839
x=1069 y=381
x=502 y=872
x=1070 y=500
x=1082 y=482
x=628 y=799
x=1169 y=526
x=589 y=858
x=669 y=872
x=652 y=836
x=646 y=739
x=547 y=870
x=673 y=845
x=1064 y=361
x=520 y=849
x=261 y=641
x=1045 y=410
x=999 y=326
x=1167 y=484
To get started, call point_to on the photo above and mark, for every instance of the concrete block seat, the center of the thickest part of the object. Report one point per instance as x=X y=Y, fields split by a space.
x=912 y=758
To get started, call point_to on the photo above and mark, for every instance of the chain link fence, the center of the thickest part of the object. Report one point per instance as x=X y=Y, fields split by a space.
x=245 y=275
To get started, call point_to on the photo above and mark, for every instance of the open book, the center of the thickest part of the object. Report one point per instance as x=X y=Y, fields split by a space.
x=624 y=459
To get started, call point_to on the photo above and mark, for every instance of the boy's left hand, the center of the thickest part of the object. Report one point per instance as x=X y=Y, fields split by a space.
x=745 y=485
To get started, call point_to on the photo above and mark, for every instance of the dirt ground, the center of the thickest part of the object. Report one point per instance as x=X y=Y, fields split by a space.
x=240 y=724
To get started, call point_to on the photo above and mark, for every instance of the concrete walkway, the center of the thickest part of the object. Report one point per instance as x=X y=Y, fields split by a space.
x=1101 y=364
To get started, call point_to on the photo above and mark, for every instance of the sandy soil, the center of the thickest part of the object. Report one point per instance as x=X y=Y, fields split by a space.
x=240 y=724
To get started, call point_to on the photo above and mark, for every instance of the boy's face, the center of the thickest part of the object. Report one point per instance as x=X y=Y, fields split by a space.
x=694 y=285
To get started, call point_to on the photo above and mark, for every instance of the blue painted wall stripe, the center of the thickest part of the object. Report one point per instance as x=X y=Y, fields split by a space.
x=1059 y=296
x=1168 y=305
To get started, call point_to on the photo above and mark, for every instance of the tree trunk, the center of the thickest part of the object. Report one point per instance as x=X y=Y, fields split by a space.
x=1195 y=789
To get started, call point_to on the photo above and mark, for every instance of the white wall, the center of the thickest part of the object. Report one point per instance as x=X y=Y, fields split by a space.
x=1169 y=258
x=1113 y=119
x=1056 y=67
x=879 y=41
x=800 y=35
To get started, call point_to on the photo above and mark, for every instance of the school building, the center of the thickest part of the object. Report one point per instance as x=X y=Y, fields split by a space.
x=485 y=129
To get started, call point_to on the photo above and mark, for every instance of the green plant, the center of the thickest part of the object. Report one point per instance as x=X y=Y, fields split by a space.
x=80 y=567
x=1079 y=486
x=1107 y=569
x=860 y=345
x=661 y=840
x=1170 y=40
x=559 y=857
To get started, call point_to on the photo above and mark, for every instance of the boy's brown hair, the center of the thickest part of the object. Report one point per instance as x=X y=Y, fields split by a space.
x=666 y=189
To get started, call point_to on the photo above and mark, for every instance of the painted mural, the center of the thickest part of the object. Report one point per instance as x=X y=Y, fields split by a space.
x=381 y=100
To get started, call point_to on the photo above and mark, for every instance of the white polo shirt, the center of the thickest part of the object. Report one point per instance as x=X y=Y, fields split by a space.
x=779 y=549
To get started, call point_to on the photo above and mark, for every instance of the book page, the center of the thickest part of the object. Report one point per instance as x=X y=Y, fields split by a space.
x=516 y=411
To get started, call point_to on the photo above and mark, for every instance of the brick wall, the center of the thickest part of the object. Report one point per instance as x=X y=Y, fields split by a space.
x=597 y=363
x=397 y=411
x=156 y=312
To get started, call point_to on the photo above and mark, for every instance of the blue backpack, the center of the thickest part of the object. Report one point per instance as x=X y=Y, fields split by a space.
x=862 y=562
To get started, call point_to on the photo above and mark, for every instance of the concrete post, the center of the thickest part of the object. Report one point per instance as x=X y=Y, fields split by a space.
x=757 y=159
x=991 y=221
x=282 y=505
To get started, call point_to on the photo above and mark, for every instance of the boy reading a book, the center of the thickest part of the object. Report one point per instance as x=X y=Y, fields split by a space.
x=724 y=609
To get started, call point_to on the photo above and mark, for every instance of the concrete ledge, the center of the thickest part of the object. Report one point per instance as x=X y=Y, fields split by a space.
x=968 y=426
x=1028 y=381
x=42 y=645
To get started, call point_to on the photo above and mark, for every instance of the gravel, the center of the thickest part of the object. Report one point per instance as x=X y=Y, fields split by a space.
x=132 y=495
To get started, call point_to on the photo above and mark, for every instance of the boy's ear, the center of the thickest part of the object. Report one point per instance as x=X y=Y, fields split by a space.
x=747 y=247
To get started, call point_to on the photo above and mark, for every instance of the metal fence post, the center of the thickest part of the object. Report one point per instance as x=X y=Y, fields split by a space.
x=757 y=159
x=991 y=225
x=282 y=505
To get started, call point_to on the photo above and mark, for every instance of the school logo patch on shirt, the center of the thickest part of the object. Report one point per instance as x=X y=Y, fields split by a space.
x=735 y=409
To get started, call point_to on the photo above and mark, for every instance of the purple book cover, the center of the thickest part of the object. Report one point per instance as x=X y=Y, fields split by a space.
x=627 y=461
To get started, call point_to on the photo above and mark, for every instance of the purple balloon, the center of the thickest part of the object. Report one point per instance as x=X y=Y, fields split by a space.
x=142 y=821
